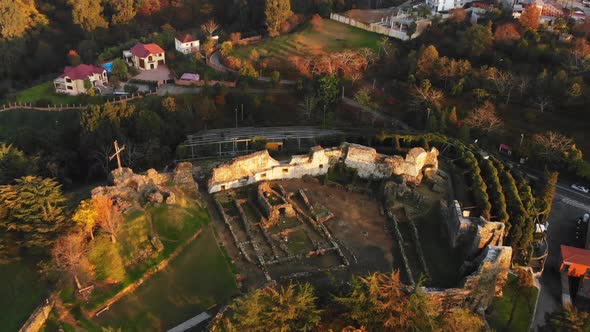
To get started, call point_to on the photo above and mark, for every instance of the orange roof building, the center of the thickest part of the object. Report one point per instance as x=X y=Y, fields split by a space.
x=146 y=56
x=576 y=260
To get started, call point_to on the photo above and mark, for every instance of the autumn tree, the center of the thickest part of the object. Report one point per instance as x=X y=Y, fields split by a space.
x=120 y=69
x=33 y=208
x=209 y=28
x=425 y=96
x=507 y=33
x=17 y=17
x=364 y=98
x=124 y=11
x=529 y=19
x=74 y=58
x=427 y=58
x=69 y=253
x=276 y=13
x=484 y=118
x=109 y=216
x=504 y=81
x=86 y=216
x=273 y=308
x=88 y=14
x=553 y=145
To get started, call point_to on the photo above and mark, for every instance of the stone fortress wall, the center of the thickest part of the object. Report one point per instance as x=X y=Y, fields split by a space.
x=260 y=166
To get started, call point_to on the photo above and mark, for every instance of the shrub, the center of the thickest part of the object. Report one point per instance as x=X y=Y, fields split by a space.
x=226 y=47
x=43 y=102
x=235 y=37
x=497 y=198
x=317 y=23
x=275 y=77
x=248 y=71
x=130 y=88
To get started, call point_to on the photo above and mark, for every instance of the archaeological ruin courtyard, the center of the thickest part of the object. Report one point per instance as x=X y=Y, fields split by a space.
x=349 y=210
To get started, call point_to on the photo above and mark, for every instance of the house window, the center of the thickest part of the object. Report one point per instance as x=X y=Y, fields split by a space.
x=70 y=88
x=321 y=166
x=150 y=58
x=222 y=187
x=263 y=176
x=68 y=80
x=285 y=170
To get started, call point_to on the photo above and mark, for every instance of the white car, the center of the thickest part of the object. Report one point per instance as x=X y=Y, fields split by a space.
x=580 y=188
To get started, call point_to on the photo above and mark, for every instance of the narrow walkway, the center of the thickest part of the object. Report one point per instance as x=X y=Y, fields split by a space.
x=198 y=319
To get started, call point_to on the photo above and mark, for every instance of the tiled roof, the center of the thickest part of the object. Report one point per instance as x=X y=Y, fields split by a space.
x=81 y=72
x=575 y=255
x=143 y=50
x=185 y=38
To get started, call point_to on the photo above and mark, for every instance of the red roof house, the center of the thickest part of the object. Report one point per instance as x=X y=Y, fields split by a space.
x=82 y=71
x=147 y=56
x=186 y=43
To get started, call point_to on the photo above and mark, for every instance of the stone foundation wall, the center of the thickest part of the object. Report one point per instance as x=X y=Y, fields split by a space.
x=260 y=166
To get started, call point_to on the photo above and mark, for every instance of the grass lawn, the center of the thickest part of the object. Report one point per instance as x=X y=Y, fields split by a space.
x=299 y=242
x=46 y=91
x=194 y=281
x=20 y=293
x=305 y=41
x=514 y=311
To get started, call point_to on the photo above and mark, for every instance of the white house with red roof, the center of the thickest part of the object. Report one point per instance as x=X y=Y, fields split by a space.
x=186 y=43
x=71 y=82
x=146 y=56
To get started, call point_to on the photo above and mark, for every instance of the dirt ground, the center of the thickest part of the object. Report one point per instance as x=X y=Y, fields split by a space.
x=357 y=224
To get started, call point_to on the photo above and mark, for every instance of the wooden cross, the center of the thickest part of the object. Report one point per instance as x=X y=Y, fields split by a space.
x=117 y=154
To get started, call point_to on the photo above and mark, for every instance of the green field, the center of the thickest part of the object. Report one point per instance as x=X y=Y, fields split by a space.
x=513 y=311
x=305 y=41
x=46 y=92
x=194 y=281
x=20 y=293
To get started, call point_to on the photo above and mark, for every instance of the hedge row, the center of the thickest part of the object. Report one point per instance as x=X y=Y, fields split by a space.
x=515 y=207
x=478 y=185
x=497 y=198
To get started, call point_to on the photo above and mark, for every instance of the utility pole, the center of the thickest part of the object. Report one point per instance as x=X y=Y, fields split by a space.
x=343 y=92
x=242 y=112
x=521 y=139
x=325 y=115
x=236 y=117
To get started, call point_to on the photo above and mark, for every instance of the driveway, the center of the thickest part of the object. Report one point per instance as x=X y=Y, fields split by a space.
x=162 y=73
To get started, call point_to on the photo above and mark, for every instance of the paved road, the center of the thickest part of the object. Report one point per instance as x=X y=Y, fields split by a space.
x=568 y=206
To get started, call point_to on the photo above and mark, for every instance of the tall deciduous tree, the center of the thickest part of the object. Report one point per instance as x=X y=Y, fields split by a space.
x=484 y=118
x=529 y=19
x=17 y=17
x=276 y=13
x=88 y=14
x=68 y=254
x=209 y=27
x=86 y=216
x=32 y=207
x=125 y=11
x=507 y=33
x=108 y=216
x=426 y=61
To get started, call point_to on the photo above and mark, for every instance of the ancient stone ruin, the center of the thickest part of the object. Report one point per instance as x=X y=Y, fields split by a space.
x=273 y=205
x=260 y=166
x=130 y=190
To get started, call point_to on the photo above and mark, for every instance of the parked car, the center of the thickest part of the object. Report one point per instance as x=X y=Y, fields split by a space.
x=580 y=188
